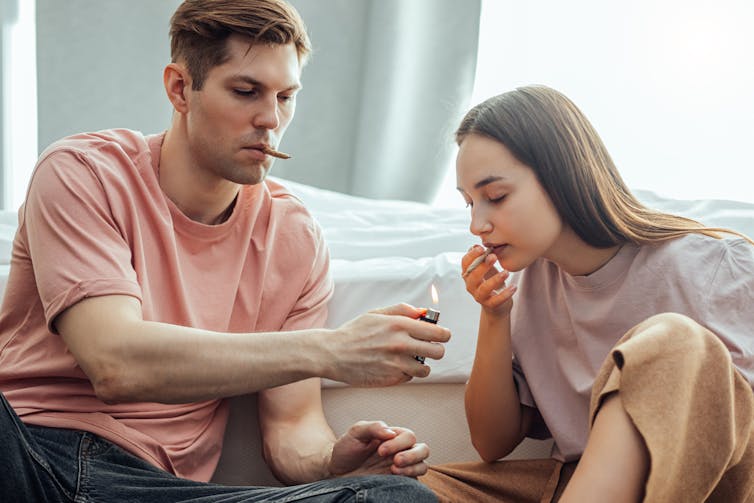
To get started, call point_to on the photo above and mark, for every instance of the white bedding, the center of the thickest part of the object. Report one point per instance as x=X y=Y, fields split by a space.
x=384 y=252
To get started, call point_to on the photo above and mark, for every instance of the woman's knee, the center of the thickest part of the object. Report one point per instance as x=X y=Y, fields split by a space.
x=672 y=322
x=680 y=327
x=675 y=335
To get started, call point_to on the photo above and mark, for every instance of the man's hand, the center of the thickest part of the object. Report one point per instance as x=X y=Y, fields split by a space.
x=371 y=447
x=378 y=348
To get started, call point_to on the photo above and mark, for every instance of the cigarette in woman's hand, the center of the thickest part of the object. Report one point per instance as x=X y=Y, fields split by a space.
x=274 y=153
x=477 y=261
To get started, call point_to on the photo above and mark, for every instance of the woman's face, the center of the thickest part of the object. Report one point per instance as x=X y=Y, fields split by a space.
x=510 y=211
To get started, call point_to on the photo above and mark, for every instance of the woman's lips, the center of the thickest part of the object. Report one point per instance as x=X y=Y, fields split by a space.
x=496 y=248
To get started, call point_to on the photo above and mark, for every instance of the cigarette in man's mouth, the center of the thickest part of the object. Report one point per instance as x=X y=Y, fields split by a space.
x=477 y=261
x=274 y=153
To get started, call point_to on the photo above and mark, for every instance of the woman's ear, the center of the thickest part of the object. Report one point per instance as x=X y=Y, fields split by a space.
x=177 y=83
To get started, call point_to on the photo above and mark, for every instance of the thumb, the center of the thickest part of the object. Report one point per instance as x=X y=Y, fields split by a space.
x=401 y=309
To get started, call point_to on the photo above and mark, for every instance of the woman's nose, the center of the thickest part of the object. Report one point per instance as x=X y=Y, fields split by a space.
x=479 y=225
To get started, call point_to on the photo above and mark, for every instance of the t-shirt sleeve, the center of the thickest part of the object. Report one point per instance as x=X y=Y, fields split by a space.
x=310 y=310
x=729 y=310
x=76 y=248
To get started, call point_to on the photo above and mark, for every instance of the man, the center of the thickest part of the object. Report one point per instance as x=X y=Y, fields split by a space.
x=152 y=277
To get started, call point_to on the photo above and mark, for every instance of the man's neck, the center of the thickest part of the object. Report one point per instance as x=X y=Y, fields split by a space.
x=202 y=200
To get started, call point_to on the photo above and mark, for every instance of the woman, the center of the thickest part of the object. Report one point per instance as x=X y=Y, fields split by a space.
x=624 y=333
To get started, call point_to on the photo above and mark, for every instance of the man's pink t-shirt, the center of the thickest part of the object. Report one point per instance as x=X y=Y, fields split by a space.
x=95 y=223
x=563 y=326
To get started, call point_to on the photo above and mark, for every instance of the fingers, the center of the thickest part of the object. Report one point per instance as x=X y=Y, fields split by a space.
x=486 y=284
x=408 y=456
x=402 y=309
x=412 y=470
x=366 y=431
x=423 y=331
x=479 y=255
x=471 y=255
x=492 y=292
x=478 y=263
x=377 y=349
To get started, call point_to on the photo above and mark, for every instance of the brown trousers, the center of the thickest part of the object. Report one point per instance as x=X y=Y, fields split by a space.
x=694 y=411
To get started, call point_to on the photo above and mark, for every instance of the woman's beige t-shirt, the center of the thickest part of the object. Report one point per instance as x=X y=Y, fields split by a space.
x=563 y=326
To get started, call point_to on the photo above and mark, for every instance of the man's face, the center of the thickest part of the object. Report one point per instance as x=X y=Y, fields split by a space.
x=245 y=104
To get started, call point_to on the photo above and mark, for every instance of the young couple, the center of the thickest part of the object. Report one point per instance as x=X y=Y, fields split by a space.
x=623 y=333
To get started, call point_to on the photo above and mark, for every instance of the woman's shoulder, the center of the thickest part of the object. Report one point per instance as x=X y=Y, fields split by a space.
x=695 y=244
x=695 y=252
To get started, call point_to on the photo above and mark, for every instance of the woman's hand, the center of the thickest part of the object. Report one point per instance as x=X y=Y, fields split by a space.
x=486 y=284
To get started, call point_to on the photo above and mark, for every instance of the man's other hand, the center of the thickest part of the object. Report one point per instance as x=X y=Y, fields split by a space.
x=372 y=447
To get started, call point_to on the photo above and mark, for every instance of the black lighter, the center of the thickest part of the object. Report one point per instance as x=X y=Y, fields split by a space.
x=431 y=316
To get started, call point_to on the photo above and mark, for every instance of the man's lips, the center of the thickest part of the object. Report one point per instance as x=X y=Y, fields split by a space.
x=268 y=150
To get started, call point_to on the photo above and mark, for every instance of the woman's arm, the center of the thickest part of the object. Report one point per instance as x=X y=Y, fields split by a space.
x=497 y=421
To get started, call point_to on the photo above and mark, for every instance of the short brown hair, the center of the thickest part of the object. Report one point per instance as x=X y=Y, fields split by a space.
x=199 y=30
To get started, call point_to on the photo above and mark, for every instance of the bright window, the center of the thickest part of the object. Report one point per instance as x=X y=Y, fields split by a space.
x=19 y=73
x=669 y=85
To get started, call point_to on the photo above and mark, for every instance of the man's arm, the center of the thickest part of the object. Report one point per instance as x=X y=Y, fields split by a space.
x=130 y=359
x=297 y=440
x=300 y=447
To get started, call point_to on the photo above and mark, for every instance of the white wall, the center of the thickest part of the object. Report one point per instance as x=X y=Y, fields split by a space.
x=668 y=84
x=18 y=110
x=100 y=66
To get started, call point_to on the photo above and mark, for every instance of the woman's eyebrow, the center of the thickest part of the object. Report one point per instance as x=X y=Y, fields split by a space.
x=488 y=180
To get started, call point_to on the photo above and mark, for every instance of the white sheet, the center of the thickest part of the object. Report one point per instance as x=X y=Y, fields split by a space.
x=384 y=252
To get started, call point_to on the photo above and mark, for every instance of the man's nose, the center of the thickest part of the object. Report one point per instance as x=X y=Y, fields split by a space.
x=268 y=115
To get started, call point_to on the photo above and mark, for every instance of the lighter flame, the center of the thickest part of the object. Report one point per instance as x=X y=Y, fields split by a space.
x=435 y=297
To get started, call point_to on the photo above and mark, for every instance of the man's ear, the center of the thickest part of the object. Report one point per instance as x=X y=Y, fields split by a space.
x=177 y=84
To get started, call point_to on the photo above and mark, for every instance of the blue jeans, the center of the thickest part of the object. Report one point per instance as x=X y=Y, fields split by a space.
x=39 y=464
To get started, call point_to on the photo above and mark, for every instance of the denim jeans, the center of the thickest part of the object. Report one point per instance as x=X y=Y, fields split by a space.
x=39 y=464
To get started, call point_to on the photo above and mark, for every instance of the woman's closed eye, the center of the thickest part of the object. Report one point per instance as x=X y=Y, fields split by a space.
x=492 y=200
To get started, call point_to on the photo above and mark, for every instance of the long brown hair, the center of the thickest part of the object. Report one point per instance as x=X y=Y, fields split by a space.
x=199 y=30
x=547 y=132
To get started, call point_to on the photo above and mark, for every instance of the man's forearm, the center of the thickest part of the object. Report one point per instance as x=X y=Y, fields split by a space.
x=148 y=361
x=190 y=365
x=298 y=441
x=300 y=459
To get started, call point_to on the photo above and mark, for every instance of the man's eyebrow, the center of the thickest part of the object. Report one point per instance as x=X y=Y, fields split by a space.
x=254 y=82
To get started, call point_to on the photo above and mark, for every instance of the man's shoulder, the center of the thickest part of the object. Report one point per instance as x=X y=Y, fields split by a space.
x=125 y=141
x=284 y=199
x=290 y=214
x=280 y=191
